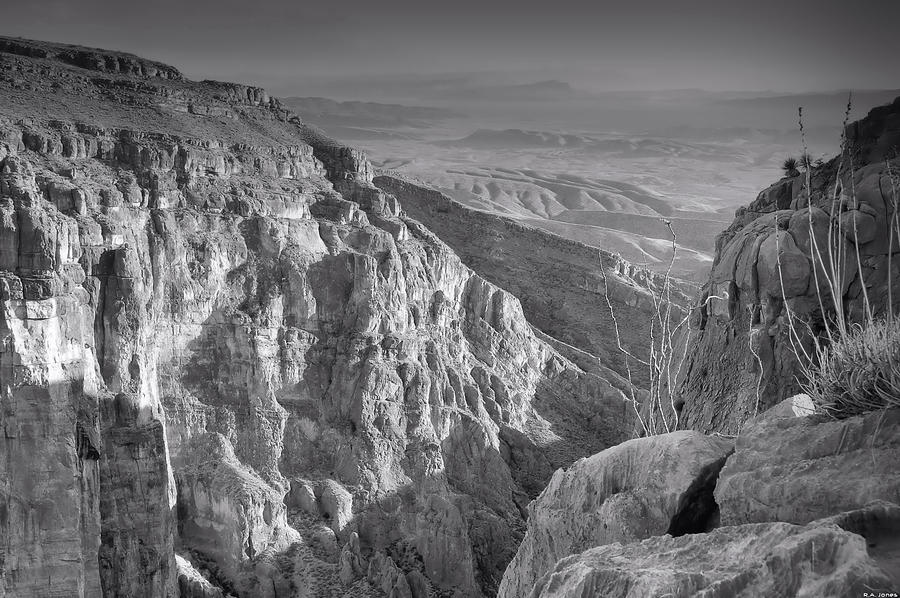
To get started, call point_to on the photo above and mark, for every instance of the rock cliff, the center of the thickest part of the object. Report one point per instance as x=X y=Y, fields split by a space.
x=559 y=281
x=219 y=339
x=744 y=359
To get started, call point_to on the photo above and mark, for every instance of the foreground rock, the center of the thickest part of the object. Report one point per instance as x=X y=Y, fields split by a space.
x=879 y=523
x=767 y=559
x=798 y=469
x=638 y=489
x=795 y=499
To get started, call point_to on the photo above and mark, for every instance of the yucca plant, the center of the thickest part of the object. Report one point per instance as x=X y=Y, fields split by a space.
x=806 y=161
x=789 y=166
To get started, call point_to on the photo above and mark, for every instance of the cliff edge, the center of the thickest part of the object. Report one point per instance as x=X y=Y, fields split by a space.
x=230 y=364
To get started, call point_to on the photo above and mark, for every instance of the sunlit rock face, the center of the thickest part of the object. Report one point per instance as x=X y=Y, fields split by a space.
x=562 y=284
x=768 y=272
x=207 y=308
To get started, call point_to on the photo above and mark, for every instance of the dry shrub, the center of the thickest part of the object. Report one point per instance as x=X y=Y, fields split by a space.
x=854 y=367
x=859 y=372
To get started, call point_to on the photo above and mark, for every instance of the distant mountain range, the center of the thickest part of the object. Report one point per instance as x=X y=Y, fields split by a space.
x=615 y=215
x=323 y=111
x=540 y=91
x=863 y=99
x=620 y=146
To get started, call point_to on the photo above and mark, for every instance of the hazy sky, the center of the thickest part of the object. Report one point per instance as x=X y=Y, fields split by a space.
x=785 y=45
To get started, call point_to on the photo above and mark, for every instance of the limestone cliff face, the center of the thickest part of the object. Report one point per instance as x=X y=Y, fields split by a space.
x=217 y=334
x=749 y=300
x=561 y=283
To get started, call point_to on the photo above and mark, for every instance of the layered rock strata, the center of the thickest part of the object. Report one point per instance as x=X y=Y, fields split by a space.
x=561 y=283
x=218 y=336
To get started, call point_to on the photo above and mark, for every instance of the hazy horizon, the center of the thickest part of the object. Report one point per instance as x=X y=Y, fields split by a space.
x=761 y=47
x=584 y=119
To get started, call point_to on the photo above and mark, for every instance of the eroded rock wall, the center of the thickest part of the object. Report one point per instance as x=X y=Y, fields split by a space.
x=207 y=309
x=561 y=283
x=767 y=273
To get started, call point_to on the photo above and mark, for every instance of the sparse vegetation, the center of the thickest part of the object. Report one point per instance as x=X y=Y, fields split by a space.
x=789 y=166
x=853 y=366
x=806 y=161
x=859 y=372
x=660 y=411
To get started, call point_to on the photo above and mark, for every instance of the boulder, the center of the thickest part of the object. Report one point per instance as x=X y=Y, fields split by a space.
x=879 y=524
x=781 y=265
x=302 y=496
x=336 y=504
x=859 y=226
x=801 y=468
x=763 y=559
x=638 y=489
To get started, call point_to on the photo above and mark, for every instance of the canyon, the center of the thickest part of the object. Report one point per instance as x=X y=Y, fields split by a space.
x=238 y=360
x=222 y=342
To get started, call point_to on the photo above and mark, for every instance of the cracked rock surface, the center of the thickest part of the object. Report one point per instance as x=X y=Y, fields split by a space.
x=638 y=489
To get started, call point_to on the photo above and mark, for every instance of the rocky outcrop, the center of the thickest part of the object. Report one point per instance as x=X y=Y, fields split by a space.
x=87 y=488
x=767 y=559
x=561 y=283
x=798 y=469
x=638 y=489
x=49 y=401
x=91 y=58
x=794 y=511
x=137 y=519
x=216 y=334
x=767 y=274
x=192 y=583
x=226 y=512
